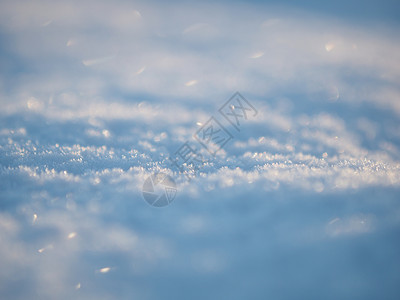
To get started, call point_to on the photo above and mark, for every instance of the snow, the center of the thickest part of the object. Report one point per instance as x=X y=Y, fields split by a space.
x=302 y=202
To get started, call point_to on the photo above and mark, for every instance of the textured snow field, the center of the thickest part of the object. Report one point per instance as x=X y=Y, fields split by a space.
x=303 y=202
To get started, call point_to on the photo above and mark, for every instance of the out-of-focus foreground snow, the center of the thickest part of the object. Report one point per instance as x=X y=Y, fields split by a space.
x=303 y=203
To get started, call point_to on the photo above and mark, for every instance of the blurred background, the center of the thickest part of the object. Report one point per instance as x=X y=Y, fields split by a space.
x=303 y=202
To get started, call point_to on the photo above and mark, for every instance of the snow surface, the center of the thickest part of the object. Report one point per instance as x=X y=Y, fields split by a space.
x=302 y=203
